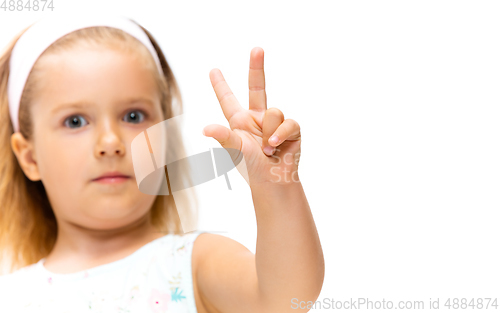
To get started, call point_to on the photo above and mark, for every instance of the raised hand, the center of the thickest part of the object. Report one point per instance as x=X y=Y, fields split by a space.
x=253 y=131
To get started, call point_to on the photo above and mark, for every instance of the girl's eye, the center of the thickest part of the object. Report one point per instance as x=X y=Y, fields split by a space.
x=134 y=117
x=73 y=121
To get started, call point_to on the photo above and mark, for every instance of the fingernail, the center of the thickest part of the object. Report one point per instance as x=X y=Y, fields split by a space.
x=268 y=150
x=273 y=139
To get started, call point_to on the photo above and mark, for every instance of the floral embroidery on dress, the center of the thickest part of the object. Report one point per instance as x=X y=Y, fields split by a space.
x=133 y=295
x=181 y=250
x=176 y=280
x=176 y=292
x=177 y=296
x=159 y=301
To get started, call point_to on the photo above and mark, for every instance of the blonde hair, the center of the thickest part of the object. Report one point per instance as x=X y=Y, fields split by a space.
x=28 y=227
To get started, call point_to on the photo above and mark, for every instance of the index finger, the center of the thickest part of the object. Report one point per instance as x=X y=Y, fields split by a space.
x=226 y=98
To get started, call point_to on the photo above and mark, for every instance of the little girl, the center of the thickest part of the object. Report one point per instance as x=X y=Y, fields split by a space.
x=79 y=235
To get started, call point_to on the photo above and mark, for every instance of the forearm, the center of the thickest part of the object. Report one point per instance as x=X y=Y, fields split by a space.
x=289 y=258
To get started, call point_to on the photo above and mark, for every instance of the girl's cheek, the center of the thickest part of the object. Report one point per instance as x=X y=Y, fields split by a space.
x=66 y=154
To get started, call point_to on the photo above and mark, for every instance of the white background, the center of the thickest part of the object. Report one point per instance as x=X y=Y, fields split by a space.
x=398 y=104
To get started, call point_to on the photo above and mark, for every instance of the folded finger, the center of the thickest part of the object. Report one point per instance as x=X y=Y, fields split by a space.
x=273 y=118
x=288 y=130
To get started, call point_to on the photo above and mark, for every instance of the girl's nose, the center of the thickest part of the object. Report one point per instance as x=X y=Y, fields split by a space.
x=104 y=152
x=109 y=142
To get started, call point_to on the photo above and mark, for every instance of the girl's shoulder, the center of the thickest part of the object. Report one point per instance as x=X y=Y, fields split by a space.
x=206 y=247
x=220 y=265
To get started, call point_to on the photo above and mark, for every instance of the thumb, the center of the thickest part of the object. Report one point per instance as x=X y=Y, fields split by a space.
x=226 y=137
x=233 y=144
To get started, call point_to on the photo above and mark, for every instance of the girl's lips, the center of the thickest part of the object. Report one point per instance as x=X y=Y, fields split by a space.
x=112 y=180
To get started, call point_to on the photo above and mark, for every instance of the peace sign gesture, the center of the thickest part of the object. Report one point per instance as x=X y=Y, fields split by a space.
x=253 y=131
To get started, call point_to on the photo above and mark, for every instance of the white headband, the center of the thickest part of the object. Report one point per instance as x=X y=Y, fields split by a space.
x=46 y=31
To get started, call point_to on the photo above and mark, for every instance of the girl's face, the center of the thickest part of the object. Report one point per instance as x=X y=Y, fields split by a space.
x=89 y=107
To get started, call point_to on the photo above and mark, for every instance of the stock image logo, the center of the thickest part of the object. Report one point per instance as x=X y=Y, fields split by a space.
x=162 y=166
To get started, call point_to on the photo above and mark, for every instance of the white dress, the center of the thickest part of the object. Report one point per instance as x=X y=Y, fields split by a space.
x=155 y=278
